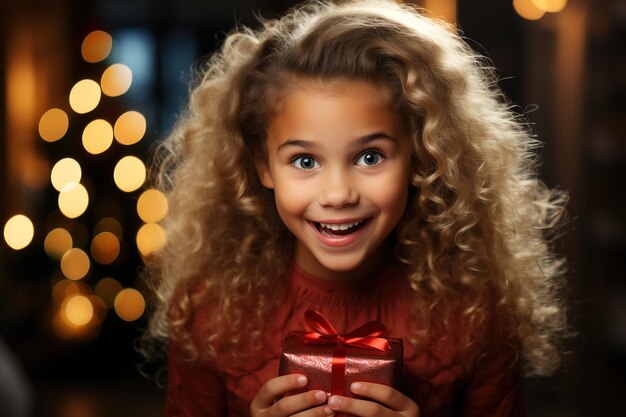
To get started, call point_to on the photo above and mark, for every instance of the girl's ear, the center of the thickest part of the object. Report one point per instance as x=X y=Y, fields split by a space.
x=265 y=176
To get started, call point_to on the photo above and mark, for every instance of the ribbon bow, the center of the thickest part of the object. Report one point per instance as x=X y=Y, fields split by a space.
x=371 y=336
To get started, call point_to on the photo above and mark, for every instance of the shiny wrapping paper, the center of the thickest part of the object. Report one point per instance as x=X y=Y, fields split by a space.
x=361 y=365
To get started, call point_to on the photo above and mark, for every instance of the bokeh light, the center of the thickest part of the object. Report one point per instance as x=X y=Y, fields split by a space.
x=57 y=242
x=129 y=173
x=19 y=232
x=78 y=310
x=129 y=304
x=107 y=289
x=152 y=206
x=75 y=264
x=96 y=46
x=97 y=136
x=150 y=239
x=550 y=6
x=109 y=224
x=116 y=80
x=528 y=10
x=64 y=172
x=73 y=200
x=130 y=128
x=77 y=287
x=105 y=248
x=85 y=96
x=59 y=291
x=53 y=125
x=100 y=309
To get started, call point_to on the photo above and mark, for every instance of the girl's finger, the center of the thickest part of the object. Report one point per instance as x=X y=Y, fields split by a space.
x=277 y=387
x=387 y=396
x=299 y=404
x=319 y=411
x=357 y=407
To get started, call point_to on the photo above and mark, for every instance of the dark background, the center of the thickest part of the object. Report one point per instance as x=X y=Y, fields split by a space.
x=566 y=71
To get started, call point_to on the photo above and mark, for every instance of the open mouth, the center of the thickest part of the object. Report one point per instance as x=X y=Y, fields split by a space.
x=339 y=229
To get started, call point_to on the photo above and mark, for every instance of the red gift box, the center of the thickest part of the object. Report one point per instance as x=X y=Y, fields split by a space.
x=333 y=361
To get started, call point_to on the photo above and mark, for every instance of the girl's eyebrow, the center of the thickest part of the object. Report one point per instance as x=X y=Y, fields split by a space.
x=362 y=141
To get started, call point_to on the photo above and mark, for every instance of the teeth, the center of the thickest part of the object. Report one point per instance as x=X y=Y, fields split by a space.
x=341 y=226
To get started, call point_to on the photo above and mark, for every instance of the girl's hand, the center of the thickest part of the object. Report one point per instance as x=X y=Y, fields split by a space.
x=386 y=402
x=306 y=404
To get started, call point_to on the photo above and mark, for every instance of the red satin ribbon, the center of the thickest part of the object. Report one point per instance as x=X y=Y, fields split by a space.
x=371 y=336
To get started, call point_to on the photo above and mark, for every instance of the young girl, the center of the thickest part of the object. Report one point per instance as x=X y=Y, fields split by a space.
x=358 y=160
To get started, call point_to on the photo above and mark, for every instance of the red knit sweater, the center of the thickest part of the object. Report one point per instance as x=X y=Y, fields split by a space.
x=440 y=379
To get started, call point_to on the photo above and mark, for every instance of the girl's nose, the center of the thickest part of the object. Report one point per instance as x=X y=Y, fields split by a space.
x=338 y=192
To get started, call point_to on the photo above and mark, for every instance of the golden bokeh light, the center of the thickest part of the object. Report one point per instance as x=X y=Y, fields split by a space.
x=105 y=248
x=77 y=287
x=129 y=304
x=116 y=80
x=78 y=310
x=550 y=6
x=19 y=232
x=107 y=289
x=130 y=128
x=150 y=238
x=97 y=136
x=109 y=224
x=129 y=173
x=57 y=242
x=53 y=125
x=100 y=309
x=73 y=200
x=527 y=10
x=59 y=291
x=96 y=46
x=64 y=172
x=75 y=264
x=152 y=206
x=85 y=96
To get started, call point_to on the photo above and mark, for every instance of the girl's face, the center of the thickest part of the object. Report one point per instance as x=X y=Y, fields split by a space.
x=338 y=161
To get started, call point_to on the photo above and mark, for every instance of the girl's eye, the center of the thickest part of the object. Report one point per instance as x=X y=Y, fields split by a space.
x=370 y=158
x=305 y=162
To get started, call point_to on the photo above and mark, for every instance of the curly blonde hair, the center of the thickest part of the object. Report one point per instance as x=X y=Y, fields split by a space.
x=479 y=224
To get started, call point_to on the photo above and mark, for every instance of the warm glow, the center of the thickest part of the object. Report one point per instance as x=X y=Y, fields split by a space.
x=129 y=173
x=97 y=136
x=75 y=264
x=150 y=238
x=116 y=80
x=527 y=9
x=129 y=304
x=62 y=327
x=77 y=287
x=85 y=96
x=442 y=9
x=78 y=310
x=130 y=128
x=96 y=46
x=550 y=6
x=57 y=242
x=53 y=125
x=73 y=200
x=152 y=206
x=105 y=248
x=109 y=224
x=100 y=309
x=107 y=289
x=19 y=232
x=64 y=172
x=59 y=291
